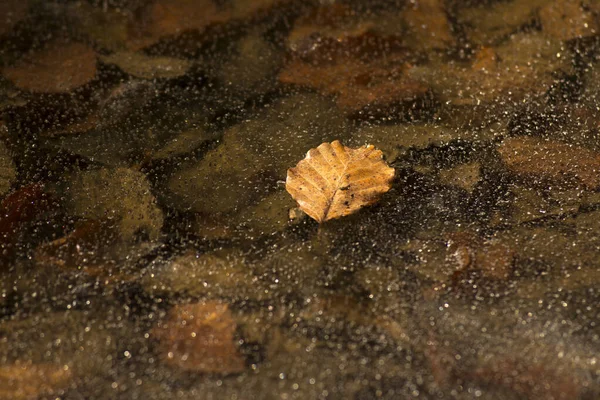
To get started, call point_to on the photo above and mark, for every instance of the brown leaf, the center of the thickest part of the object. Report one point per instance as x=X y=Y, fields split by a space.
x=58 y=68
x=199 y=337
x=334 y=180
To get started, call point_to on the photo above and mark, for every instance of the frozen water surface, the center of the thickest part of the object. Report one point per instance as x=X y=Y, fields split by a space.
x=150 y=250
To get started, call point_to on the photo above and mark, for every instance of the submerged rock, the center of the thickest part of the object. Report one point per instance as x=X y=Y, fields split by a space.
x=8 y=171
x=123 y=196
x=12 y=12
x=397 y=140
x=184 y=143
x=57 y=68
x=290 y=270
x=252 y=67
x=465 y=176
x=199 y=337
x=146 y=67
x=52 y=351
x=570 y=19
x=551 y=160
x=25 y=381
x=210 y=275
x=522 y=67
x=428 y=25
x=255 y=154
x=380 y=87
x=489 y=24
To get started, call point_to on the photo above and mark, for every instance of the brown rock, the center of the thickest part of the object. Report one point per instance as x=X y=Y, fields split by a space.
x=551 y=160
x=465 y=176
x=8 y=171
x=524 y=66
x=486 y=59
x=488 y=24
x=533 y=380
x=428 y=25
x=361 y=59
x=93 y=247
x=358 y=85
x=146 y=67
x=17 y=209
x=171 y=17
x=335 y=30
x=58 y=68
x=11 y=12
x=492 y=257
x=198 y=337
x=168 y=18
x=569 y=19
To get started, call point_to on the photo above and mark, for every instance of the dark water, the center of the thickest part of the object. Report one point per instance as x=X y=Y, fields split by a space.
x=150 y=249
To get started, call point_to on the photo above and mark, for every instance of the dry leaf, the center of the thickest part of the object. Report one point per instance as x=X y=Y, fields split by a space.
x=334 y=180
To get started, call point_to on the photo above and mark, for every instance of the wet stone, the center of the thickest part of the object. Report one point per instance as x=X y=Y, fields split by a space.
x=428 y=25
x=268 y=216
x=184 y=143
x=123 y=196
x=59 y=349
x=531 y=377
x=290 y=270
x=525 y=68
x=568 y=19
x=96 y=249
x=396 y=141
x=489 y=25
x=251 y=68
x=332 y=30
x=29 y=381
x=141 y=66
x=210 y=275
x=12 y=12
x=149 y=249
x=199 y=337
x=109 y=28
x=255 y=154
x=531 y=204
x=465 y=176
x=57 y=68
x=7 y=170
x=550 y=160
x=380 y=87
x=468 y=251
